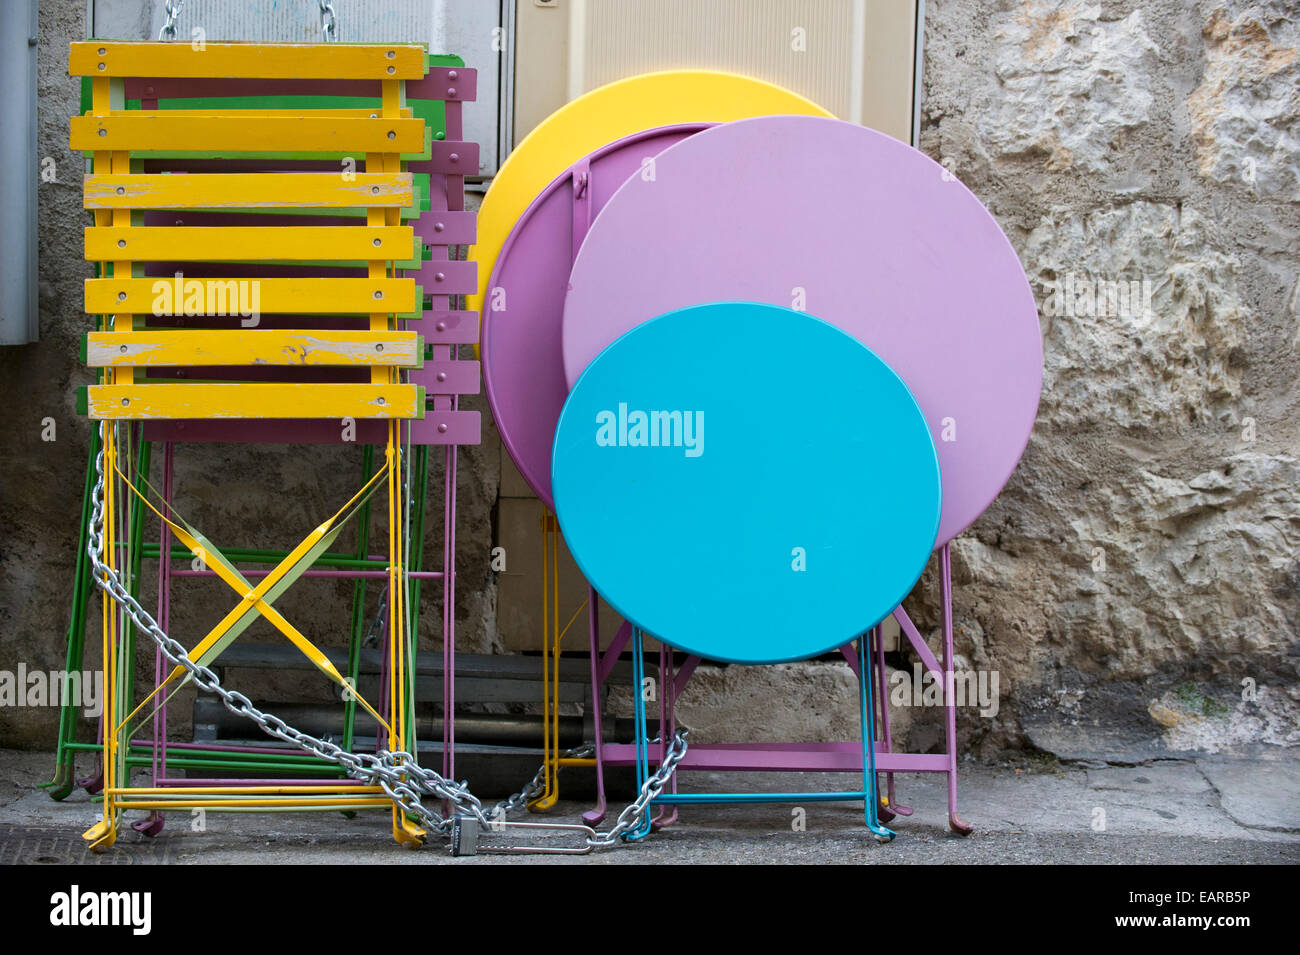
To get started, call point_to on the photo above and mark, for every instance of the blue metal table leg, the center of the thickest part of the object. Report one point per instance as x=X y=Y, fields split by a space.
x=642 y=734
x=866 y=703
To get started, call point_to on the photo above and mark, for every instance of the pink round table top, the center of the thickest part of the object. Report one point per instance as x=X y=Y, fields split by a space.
x=855 y=228
x=523 y=373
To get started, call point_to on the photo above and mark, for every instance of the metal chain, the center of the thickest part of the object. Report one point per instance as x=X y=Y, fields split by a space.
x=173 y=10
x=397 y=773
x=633 y=816
x=329 y=23
x=537 y=785
x=371 y=639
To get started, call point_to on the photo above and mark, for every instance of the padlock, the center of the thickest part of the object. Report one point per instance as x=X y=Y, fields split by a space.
x=464 y=835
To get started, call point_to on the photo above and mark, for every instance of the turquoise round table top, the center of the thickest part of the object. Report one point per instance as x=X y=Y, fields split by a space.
x=746 y=482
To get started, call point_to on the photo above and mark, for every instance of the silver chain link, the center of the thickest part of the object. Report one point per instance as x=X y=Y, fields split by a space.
x=373 y=634
x=397 y=773
x=173 y=10
x=329 y=23
x=537 y=785
x=633 y=815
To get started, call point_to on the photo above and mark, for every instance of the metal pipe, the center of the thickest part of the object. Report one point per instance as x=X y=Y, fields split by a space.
x=19 y=322
x=490 y=729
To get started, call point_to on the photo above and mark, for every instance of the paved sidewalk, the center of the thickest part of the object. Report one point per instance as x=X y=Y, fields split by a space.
x=1213 y=809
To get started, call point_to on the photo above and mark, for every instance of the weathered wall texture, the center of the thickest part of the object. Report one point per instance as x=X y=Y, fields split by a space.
x=1150 y=536
x=1141 y=563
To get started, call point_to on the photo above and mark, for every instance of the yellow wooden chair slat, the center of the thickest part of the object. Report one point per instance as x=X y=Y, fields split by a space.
x=249 y=243
x=314 y=112
x=249 y=190
x=223 y=296
x=240 y=347
x=251 y=400
x=210 y=132
x=309 y=61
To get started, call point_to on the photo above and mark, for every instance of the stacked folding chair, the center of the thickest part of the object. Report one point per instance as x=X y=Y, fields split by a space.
x=273 y=236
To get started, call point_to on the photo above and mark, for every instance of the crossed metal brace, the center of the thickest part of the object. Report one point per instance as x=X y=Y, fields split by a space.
x=256 y=600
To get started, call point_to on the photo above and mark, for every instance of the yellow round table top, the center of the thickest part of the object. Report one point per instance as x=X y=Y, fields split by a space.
x=608 y=113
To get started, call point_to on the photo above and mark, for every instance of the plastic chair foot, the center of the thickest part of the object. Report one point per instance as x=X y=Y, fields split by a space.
x=408 y=835
x=150 y=826
x=544 y=804
x=881 y=833
x=959 y=825
x=63 y=783
x=101 y=836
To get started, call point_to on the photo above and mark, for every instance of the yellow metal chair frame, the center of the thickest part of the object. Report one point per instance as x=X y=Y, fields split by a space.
x=117 y=193
x=553 y=758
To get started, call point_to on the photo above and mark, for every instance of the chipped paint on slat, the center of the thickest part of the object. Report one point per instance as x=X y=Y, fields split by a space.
x=273 y=347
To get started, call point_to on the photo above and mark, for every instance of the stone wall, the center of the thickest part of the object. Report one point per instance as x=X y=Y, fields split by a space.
x=1142 y=562
x=1149 y=539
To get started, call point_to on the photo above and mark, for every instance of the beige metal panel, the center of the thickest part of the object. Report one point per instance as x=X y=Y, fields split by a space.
x=889 y=69
x=855 y=57
x=512 y=482
x=541 y=63
x=519 y=587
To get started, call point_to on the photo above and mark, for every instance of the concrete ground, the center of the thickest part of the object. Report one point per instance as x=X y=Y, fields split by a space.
x=1216 y=809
